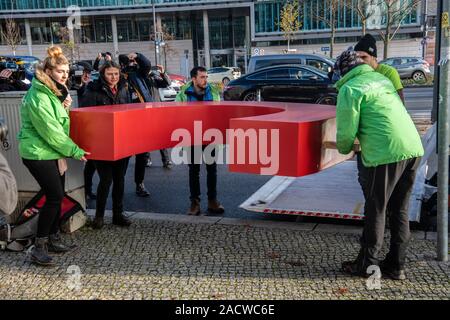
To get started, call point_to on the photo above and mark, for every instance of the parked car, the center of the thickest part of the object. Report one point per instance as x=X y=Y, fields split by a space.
x=177 y=81
x=223 y=74
x=318 y=61
x=167 y=94
x=410 y=67
x=288 y=83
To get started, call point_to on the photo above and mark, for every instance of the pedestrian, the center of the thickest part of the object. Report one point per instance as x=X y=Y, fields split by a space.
x=136 y=69
x=369 y=108
x=80 y=83
x=198 y=89
x=44 y=143
x=366 y=48
x=101 y=59
x=367 y=51
x=159 y=79
x=110 y=89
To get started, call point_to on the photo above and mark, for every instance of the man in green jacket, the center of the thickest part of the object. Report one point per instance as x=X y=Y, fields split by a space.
x=367 y=51
x=198 y=89
x=369 y=108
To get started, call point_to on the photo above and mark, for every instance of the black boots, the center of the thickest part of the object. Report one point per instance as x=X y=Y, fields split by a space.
x=39 y=254
x=141 y=191
x=97 y=223
x=120 y=220
x=56 y=245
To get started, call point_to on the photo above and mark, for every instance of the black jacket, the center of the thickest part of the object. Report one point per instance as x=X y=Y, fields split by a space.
x=98 y=93
x=144 y=81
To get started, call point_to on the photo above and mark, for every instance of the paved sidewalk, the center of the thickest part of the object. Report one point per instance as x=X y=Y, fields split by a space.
x=165 y=256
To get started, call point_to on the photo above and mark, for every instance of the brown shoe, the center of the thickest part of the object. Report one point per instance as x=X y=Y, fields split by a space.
x=215 y=207
x=195 y=208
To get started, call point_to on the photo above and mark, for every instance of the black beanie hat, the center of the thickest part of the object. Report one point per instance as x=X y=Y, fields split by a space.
x=367 y=44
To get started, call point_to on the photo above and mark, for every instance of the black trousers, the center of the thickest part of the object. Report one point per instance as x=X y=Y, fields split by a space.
x=89 y=171
x=386 y=188
x=111 y=172
x=164 y=155
x=194 y=175
x=139 y=167
x=47 y=175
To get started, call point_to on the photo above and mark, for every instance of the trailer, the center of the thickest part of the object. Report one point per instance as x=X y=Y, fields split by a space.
x=335 y=192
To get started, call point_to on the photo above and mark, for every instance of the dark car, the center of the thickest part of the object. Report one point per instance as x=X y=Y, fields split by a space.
x=287 y=83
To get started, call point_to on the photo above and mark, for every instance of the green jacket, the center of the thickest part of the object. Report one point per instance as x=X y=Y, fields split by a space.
x=369 y=108
x=211 y=93
x=44 y=134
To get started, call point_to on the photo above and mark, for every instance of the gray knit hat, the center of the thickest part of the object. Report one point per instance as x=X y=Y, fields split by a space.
x=347 y=61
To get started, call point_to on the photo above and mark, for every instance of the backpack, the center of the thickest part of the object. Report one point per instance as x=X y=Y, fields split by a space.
x=20 y=235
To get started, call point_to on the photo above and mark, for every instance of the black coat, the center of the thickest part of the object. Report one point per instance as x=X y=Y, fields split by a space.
x=145 y=81
x=98 y=93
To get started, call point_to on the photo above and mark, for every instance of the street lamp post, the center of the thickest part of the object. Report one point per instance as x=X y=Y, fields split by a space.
x=442 y=100
x=154 y=33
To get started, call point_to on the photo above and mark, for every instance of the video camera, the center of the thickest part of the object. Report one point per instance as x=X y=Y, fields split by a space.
x=76 y=73
x=16 y=65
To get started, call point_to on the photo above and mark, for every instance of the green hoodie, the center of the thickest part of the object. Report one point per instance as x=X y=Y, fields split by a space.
x=44 y=134
x=369 y=108
x=211 y=93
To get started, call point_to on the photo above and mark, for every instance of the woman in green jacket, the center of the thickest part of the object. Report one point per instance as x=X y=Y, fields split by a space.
x=44 y=143
x=369 y=108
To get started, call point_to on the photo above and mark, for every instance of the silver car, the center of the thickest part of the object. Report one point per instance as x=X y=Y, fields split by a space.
x=410 y=67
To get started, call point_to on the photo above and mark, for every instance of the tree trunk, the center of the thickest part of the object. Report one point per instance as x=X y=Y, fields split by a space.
x=364 y=26
x=386 y=47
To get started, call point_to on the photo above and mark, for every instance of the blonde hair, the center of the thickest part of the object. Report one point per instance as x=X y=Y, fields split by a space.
x=55 y=57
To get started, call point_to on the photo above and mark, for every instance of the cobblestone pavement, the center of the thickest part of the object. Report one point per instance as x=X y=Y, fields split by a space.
x=215 y=258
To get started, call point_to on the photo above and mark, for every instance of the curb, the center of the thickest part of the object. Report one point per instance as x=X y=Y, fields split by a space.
x=212 y=220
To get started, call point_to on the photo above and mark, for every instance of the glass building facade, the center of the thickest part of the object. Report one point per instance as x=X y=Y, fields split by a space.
x=267 y=15
x=62 y=4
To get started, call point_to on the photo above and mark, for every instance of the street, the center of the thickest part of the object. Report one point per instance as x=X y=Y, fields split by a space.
x=419 y=101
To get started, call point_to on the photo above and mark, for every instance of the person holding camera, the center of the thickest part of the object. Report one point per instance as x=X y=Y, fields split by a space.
x=101 y=59
x=110 y=89
x=44 y=143
x=136 y=68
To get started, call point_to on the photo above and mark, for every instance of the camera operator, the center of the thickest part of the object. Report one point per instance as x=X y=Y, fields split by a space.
x=136 y=69
x=8 y=185
x=80 y=76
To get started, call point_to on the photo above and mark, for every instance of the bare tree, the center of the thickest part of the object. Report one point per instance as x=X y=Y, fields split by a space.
x=328 y=16
x=395 y=12
x=290 y=23
x=70 y=45
x=11 y=34
x=365 y=10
